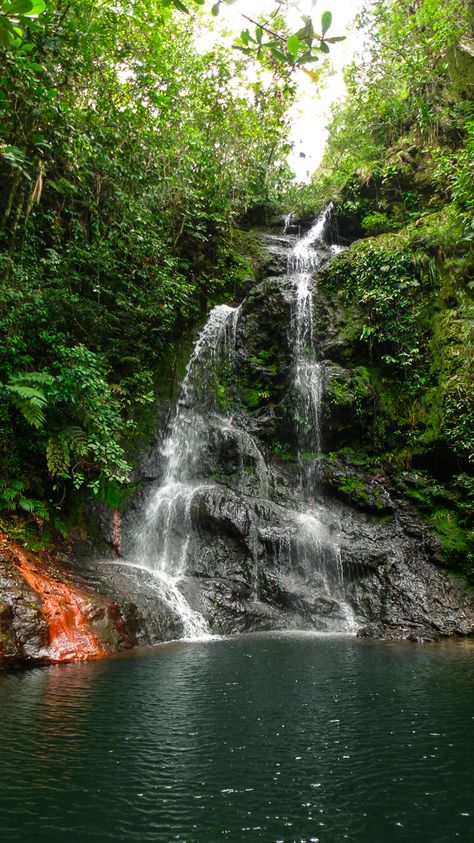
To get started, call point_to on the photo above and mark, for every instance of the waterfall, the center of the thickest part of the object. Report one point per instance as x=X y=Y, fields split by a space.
x=306 y=258
x=161 y=541
x=165 y=541
x=308 y=254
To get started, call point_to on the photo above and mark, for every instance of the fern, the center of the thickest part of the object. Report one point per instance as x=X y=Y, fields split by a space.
x=29 y=399
x=77 y=440
x=16 y=485
x=58 y=455
x=28 y=504
x=31 y=412
x=27 y=393
x=33 y=377
x=13 y=499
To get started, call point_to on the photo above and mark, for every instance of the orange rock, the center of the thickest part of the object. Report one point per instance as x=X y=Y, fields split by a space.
x=66 y=610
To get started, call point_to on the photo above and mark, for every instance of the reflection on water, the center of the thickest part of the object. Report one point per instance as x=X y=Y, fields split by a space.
x=267 y=737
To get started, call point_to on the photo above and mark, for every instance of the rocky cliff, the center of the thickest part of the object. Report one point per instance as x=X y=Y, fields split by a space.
x=349 y=552
x=279 y=530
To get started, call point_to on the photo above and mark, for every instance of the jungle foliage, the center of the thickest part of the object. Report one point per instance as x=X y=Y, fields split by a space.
x=126 y=157
x=399 y=167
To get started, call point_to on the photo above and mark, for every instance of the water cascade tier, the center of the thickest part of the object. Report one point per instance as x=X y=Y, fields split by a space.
x=239 y=527
x=199 y=496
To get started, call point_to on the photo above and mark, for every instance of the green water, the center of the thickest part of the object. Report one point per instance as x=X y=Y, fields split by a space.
x=274 y=738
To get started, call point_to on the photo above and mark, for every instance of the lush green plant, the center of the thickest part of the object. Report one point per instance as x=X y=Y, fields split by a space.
x=25 y=391
x=126 y=159
x=384 y=282
x=406 y=100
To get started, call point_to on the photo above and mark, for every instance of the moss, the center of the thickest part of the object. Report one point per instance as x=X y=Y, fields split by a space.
x=308 y=456
x=426 y=492
x=457 y=542
x=250 y=397
x=354 y=488
x=222 y=396
x=382 y=518
x=172 y=367
x=283 y=451
x=349 y=388
x=264 y=359
x=448 y=511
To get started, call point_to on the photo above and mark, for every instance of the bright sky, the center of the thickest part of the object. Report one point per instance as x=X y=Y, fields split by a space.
x=310 y=113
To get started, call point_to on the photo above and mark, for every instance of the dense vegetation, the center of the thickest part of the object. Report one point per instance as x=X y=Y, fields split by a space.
x=400 y=168
x=128 y=160
x=126 y=157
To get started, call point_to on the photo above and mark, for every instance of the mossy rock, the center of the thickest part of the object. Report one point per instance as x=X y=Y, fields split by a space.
x=348 y=406
x=448 y=510
x=353 y=477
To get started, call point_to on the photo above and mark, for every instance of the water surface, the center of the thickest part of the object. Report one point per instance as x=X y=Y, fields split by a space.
x=257 y=738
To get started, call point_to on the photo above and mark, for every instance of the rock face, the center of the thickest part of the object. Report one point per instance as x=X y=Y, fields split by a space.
x=251 y=515
x=268 y=534
x=45 y=616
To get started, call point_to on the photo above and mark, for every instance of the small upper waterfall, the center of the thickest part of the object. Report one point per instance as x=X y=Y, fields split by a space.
x=308 y=371
x=166 y=540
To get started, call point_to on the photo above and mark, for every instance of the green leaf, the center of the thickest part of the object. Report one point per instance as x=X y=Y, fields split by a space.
x=179 y=5
x=293 y=45
x=29 y=393
x=306 y=36
x=335 y=39
x=31 y=413
x=324 y=47
x=38 y=7
x=259 y=34
x=33 y=377
x=9 y=34
x=306 y=58
x=26 y=503
x=326 y=21
x=18 y=7
x=279 y=55
x=215 y=9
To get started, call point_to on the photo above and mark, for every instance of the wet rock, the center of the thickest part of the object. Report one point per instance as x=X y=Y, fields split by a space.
x=367 y=492
x=23 y=630
x=263 y=550
x=278 y=248
x=147 y=617
x=45 y=615
x=413 y=633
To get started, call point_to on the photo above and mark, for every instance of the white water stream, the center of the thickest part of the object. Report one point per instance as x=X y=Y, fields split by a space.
x=162 y=539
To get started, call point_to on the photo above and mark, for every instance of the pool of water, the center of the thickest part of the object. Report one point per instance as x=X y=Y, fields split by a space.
x=255 y=738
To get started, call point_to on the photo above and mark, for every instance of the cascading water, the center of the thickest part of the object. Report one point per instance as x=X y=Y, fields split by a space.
x=167 y=542
x=162 y=539
x=308 y=371
x=308 y=375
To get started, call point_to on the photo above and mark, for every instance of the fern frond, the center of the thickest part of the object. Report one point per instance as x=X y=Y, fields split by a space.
x=77 y=440
x=15 y=485
x=32 y=413
x=29 y=400
x=27 y=393
x=58 y=455
x=8 y=494
x=28 y=504
x=32 y=377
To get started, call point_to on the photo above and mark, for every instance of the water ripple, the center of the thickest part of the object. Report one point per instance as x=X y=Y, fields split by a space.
x=259 y=738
